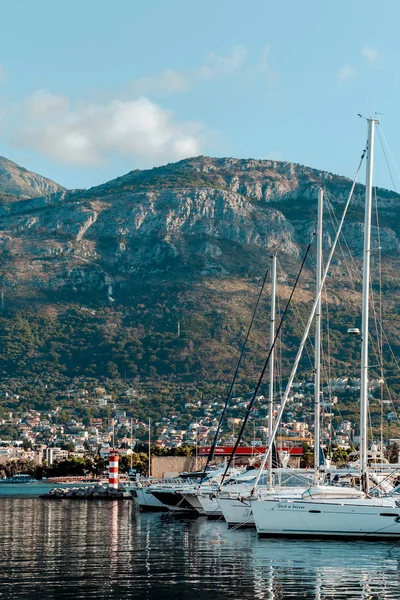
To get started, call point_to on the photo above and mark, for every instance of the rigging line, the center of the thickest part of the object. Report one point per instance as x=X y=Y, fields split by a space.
x=253 y=398
x=278 y=391
x=328 y=419
x=299 y=322
x=380 y=308
x=391 y=400
x=380 y=130
x=371 y=432
x=300 y=325
x=386 y=160
x=278 y=365
x=329 y=364
x=391 y=351
x=333 y=216
x=310 y=320
x=357 y=271
x=228 y=398
x=378 y=354
x=377 y=344
x=350 y=271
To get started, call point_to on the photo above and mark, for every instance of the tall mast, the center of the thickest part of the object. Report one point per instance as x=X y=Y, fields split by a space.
x=365 y=309
x=149 y=457
x=317 y=360
x=307 y=329
x=271 y=362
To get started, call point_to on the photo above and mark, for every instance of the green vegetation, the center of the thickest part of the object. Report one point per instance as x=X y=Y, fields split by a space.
x=91 y=465
x=177 y=318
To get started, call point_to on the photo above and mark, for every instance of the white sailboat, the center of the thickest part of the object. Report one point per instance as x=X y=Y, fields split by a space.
x=237 y=507
x=325 y=511
x=175 y=496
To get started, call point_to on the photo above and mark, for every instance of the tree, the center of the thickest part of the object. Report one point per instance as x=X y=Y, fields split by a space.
x=307 y=460
x=69 y=446
x=392 y=452
x=27 y=444
x=340 y=456
x=9 y=432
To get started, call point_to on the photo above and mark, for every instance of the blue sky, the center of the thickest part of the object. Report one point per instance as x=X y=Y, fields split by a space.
x=90 y=89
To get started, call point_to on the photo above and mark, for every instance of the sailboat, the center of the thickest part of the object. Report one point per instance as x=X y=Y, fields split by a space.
x=334 y=512
x=292 y=483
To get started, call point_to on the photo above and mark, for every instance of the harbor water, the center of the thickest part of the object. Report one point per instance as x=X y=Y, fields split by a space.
x=65 y=549
x=34 y=490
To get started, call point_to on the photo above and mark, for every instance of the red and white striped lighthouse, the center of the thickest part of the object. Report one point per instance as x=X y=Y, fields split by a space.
x=113 y=469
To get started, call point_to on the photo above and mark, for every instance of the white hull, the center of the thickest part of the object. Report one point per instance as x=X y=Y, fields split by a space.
x=334 y=518
x=237 y=509
x=237 y=512
x=194 y=501
x=145 y=500
x=210 y=505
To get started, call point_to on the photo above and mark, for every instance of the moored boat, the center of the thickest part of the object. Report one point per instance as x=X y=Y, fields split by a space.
x=332 y=511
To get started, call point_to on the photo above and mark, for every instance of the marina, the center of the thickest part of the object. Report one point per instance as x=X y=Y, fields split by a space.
x=199 y=301
x=110 y=551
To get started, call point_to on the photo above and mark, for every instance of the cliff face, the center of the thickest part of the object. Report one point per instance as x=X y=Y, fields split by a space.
x=200 y=215
x=21 y=183
x=202 y=225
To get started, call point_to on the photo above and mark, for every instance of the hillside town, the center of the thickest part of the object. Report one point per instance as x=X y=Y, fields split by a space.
x=48 y=436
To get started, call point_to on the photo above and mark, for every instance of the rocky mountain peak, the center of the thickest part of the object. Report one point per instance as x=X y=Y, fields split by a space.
x=180 y=247
x=19 y=182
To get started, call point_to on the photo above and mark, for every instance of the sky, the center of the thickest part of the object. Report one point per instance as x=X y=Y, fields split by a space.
x=91 y=89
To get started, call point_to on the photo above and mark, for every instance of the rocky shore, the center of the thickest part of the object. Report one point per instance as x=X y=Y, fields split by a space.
x=93 y=492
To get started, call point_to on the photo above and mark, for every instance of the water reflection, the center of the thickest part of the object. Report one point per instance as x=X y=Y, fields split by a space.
x=104 y=550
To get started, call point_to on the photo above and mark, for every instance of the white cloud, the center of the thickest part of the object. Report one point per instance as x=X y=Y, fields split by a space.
x=222 y=66
x=171 y=81
x=44 y=104
x=167 y=82
x=346 y=73
x=370 y=54
x=264 y=65
x=85 y=133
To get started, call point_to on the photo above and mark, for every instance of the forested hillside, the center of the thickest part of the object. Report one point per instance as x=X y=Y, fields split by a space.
x=152 y=277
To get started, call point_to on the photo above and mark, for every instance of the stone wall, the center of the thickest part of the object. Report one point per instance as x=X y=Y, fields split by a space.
x=169 y=466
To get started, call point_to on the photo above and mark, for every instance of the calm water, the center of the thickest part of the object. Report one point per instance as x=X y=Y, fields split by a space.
x=105 y=550
x=32 y=490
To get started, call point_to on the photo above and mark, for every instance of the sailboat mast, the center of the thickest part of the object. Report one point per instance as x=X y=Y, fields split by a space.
x=365 y=309
x=271 y=363
x=149 y=457
x=317 y=360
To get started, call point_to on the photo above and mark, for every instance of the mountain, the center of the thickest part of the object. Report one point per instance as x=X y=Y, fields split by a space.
x=155 y=274
x=21 y=183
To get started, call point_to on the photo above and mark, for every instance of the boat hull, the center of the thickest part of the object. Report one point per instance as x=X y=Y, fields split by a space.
x=210 y=506
x=173 y=501
x=367 y=519
x=193 y=499
x=146 y=502
x=237 y=512
x=237 y=509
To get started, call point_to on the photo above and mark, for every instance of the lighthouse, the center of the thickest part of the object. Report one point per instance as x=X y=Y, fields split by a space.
x=113 y=469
